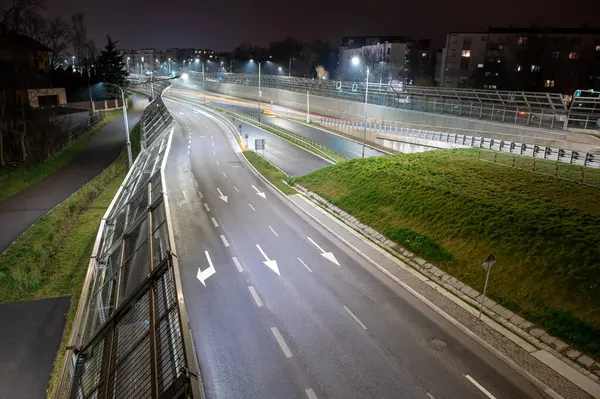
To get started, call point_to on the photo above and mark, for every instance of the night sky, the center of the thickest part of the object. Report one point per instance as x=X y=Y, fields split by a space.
x=222 y=25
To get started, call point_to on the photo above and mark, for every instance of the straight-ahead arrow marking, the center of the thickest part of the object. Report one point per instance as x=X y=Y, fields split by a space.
x=271 y=264
x=327 y=255
x=203 y=275
x=223 y=197
x=259 y=193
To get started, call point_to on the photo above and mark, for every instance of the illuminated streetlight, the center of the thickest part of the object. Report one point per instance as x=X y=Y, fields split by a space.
x=356 y=61
x=127 y=141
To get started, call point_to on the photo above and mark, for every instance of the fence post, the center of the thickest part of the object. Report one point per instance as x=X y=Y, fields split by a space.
x=513 y=161
x=495 y=157
x=533 y=169
x=581 y=177
x=556 y=170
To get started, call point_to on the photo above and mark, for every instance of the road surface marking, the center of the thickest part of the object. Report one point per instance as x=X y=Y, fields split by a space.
x=213 y=143
x=270 y=263
x=305 y=265
x=481 y=388
x=200 y=194
x=206 y=207
x=327 y=255
x=430 y=396
x=259 y=193
x=250 y=205
x=273 y=231
x=217 y=163
x=221 y=196
x=214 y=153
x=224 y=240
x=203 y=275
x=224 y=175
x=214 y=221
x=189 y=146
x=255 y=296
x=237 y=264
x=286 y=350
x=310 y=393
x=184 y=194
x=190 y=142
x=315 y=244
x=355 y=318
x=236 y=189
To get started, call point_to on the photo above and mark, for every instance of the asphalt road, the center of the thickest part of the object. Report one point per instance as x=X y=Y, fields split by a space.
x=339 y=144
x=292 y=159
x=23 y=209
x=280 y=309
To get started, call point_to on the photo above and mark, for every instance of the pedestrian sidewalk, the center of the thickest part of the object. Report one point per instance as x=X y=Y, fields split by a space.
x=559 y=371
x=20 y=211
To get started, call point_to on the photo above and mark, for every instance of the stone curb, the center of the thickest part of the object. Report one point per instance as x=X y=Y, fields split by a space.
x=528 y=331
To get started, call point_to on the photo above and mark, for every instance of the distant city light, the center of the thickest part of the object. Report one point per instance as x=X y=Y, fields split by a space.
x=355 y=60
x=184 y=76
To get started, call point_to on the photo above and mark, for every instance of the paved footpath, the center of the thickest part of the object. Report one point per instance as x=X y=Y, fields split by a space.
x=23 y=209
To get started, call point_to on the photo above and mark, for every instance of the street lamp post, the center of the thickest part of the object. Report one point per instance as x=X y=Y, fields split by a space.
x=129 y=156
x=73 y=63
x=356 y=61
x=142 y=66
x=127 y=64
x=290 y=69
x=203 y=90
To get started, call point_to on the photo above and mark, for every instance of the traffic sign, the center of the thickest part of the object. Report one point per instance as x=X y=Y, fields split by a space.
x=489 y=262
x=259 y=144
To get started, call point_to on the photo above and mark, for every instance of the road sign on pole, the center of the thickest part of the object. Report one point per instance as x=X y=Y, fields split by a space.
x=487 y=264
x=259 y=144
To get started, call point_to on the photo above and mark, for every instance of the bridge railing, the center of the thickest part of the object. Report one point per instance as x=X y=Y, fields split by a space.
x=537 y=109
x=130 y=336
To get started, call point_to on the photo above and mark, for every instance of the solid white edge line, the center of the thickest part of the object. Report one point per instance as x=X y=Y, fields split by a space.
x=286 y=350
x=214 y=222
x=250 y=205
x=273 y=231
x=355 y=318
x=225 y=242
x=310 y=393
x=206 y=207
x=255 y=296
x=479 y=386
x=305 y=265
x=237 y=263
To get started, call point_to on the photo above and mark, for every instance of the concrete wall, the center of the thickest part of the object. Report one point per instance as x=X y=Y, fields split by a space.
x=400 y=117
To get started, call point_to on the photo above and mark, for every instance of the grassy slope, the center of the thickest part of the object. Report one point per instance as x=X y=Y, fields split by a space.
x=13 y=180
x=545 y=232
x=274 y=175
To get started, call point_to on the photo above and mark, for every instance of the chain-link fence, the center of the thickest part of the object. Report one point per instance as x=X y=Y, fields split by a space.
x=130 y=337
x=547 y=110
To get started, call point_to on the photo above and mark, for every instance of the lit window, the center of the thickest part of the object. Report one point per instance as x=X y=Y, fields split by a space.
x=556 y=54
x=518 y=68
x=522 y=40
x=499 y=60
x=535 y=68
x=549 y=83
x=598 y=48
x=466 y=53
x=500 y=46
x=424 y=55
x=479 y=65
x=573 y=55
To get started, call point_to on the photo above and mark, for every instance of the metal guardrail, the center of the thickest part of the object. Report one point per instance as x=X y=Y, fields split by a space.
x=547 y=110
x=130 y=337
x=525 y=149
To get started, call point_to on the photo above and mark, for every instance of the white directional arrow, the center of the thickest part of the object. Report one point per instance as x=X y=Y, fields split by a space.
x=271 y=264
x=203 y=275
x=223 y=197
x=259 y=193
x=327 y=255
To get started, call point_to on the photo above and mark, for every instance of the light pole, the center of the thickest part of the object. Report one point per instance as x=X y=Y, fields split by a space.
x=73 y=63
x=203 y=91
x=290 y=68
x=356 y=61
x=259 y=91
x=129 y=156
x=197 y=61
x=142 y=67
x=127 y=64
x=169 y=66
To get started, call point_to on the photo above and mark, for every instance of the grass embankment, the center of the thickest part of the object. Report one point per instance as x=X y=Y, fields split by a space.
x=268 y=170
x=51 y=258
x=454 y=210
x=13 y=180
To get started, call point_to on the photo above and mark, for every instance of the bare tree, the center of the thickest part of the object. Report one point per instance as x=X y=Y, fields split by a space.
x=58 y=38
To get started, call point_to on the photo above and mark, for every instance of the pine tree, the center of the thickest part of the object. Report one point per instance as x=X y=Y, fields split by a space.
x=110 y=64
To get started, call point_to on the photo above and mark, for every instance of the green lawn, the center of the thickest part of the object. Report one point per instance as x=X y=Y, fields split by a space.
x=13 y=180
x=268 y=170
x=454 y=210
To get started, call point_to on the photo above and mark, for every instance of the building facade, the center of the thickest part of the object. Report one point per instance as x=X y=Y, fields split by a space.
x=390 y=58
x=530 y=59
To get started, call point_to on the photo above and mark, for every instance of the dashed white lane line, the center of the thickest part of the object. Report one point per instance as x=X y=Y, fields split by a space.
x=310 y=393
x=305 y=265
x=237 y=263
x=224 y=175
x=255 y=296
x=236 y=189
x=273 y=231
x=226 y=243
x=213 y=144
x=250 y=205
x=206 y=207
x=218 y=163
x=214 y=153
x=481 y=388
x=355 y=318
x=189 y=146
x=430 y=396
x=286 y=350
x=214 y=222
x=200 y=194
